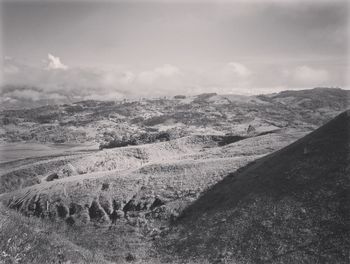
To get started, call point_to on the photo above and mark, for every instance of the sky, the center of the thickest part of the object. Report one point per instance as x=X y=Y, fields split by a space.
x=116 y=49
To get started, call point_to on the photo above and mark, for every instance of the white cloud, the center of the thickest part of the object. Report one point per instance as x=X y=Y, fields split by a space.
x=149 y=77
x=167 y=70
x=108 y=78
x=113 y=78
x=8 y=100
x=33 y=95
x=306 y=75
x=227 y=78
x=286 y=73
x=55 y=63
x=10 y=66
x=10 y=69
x=239 y=69
x=105 y=96
x=29 y=82
x=127 y=78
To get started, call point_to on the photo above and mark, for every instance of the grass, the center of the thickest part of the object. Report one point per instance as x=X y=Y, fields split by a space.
x=289 y=207
x=192 y=170
x=30 y=240
x=254 y=215
x=177 y=183
x=34 y=240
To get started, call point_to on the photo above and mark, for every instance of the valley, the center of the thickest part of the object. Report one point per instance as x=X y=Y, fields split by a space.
x=163 y=180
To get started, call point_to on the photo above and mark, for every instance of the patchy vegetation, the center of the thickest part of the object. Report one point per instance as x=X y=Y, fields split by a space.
x=196 y=179
x=291 y=206
x=93 y=121
x=115 y=141
x=28 y=240
x=141 y=189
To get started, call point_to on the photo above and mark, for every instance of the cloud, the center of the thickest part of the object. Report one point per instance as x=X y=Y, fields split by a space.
x=306 y=75
x=127 y=77
x=231 y=77
x=149 y=77
x=239 y=69
x=9 y=66
x=31 y=95
x=35 y=83
x=167 y=70
x=55 y=63
x=10 y=69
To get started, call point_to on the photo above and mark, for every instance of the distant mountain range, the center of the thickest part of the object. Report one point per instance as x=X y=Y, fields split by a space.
x=101 y=121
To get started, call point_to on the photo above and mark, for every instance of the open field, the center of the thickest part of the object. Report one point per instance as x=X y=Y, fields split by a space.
x=17 y=151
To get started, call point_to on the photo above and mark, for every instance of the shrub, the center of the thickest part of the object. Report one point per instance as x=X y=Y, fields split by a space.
x=130 y=257
x=156 y=120
x=179 y=97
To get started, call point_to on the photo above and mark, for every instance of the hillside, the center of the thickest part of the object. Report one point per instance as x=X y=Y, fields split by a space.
x=25 y=240
x=146 y=120
x=290 y=206
x=197 y=179
x=135 y=191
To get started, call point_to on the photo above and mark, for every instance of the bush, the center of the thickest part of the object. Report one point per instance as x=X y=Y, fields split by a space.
x=156 y=120
x=179 y=97
x=130 y=257
x=144 y=138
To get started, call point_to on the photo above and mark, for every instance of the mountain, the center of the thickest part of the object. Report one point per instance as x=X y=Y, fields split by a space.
x=314 y=98
x=292 y=206
x=100 y=121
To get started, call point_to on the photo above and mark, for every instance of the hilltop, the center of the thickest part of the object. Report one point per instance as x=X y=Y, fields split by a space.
x=290 y=206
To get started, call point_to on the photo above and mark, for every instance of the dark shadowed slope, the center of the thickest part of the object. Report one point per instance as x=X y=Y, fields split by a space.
x=292 y=206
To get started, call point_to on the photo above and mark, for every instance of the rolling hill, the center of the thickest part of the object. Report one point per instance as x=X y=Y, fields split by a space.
x=198 y=179
x=100 y=121
x=129 y=195
x=291 y=206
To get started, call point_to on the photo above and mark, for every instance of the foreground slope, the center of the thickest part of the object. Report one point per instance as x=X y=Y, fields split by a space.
x=117 y=201
x=27 y=240
x=292 y=206
x=114 y=178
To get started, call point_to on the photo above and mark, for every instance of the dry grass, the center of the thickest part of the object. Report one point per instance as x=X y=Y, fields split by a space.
x=132 y=179
x=29 y=240
x=190 y=168
x=289 y=207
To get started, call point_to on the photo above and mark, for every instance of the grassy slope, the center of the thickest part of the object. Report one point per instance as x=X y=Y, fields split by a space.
x=177 y=182
x=20 y=174
x=288 y=207
x=28 y=240
x=188 y=169
x=252 y=224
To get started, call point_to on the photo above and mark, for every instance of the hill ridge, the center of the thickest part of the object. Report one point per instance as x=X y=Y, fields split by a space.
x=290 y=206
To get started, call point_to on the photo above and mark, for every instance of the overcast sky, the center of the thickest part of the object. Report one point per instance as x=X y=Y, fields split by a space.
x=100 y=50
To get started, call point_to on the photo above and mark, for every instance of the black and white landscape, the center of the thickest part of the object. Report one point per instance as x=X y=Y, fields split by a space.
x=174 y=132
